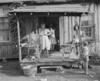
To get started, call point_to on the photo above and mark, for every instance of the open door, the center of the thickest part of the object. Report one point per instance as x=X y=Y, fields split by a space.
x=54 y=22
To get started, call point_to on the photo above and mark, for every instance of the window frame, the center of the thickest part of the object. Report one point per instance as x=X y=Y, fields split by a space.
x=89 y=26
x=5 y=29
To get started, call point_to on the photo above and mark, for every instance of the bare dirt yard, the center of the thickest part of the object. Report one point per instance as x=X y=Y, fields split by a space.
x=10 y=71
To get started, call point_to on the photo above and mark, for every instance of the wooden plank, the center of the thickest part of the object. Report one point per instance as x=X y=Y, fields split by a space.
x=61 y=29
x=8 y=51
x=49 y=67
x=53 y=8
x=98 y=20
x=51 y=62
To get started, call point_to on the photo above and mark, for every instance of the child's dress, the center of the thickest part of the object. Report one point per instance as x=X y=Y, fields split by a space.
x=52 y=38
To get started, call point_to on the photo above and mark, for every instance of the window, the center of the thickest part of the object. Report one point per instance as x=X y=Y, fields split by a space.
x=4 y=30
x=87 y=25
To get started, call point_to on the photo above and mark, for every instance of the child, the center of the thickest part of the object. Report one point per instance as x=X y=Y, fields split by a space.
x=86 y=56
x=52 y=39
x=86 y=51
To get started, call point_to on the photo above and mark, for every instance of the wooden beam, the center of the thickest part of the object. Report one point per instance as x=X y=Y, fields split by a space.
x=68 y=29
x=19 y=45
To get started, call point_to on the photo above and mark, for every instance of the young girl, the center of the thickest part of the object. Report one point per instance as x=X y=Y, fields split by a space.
x=52 y=39
x=76 y=38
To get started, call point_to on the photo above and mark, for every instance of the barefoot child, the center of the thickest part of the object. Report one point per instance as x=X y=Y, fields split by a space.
x=86 y=56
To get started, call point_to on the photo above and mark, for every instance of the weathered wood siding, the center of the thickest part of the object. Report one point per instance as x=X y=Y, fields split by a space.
x=8 y=51
x=66 y=24
x=97 y=22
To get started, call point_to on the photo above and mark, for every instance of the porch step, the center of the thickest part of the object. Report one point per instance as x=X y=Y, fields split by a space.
x=50 y=67
x=57 y=68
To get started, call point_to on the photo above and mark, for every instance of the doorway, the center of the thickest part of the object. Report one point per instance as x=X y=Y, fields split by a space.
x=54 y=21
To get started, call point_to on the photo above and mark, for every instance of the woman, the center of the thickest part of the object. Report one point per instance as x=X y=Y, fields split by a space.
x=44 y=39
x=76 y=39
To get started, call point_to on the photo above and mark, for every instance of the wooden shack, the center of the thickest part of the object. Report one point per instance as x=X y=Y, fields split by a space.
x=63 y=24
x=63 y=17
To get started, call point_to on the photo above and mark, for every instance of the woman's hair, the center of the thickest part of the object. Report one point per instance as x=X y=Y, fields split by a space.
x=76 y=27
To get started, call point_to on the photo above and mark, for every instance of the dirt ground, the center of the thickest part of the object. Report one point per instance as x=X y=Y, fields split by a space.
x=10 y=71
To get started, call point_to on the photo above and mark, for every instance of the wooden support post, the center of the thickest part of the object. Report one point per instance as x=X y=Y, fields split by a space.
x=19 y=45
x=68 y=29
x=80 y=47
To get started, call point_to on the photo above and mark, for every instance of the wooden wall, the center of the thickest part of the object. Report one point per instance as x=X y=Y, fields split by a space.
x=66 y=24
x=97 y=22
x=8 y=51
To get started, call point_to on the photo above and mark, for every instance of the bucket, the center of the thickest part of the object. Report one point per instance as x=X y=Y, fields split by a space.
x=29 y=70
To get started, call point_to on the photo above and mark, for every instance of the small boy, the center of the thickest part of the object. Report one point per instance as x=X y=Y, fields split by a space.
x=86 y=56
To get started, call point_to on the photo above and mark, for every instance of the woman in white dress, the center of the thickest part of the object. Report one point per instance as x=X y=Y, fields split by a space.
x=45 y=42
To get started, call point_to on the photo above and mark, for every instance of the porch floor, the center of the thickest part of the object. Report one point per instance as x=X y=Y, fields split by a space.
x=55 y=58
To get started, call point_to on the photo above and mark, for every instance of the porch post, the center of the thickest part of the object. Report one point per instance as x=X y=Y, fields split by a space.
x=79 y=28
x=19 y=45
x=80 y=47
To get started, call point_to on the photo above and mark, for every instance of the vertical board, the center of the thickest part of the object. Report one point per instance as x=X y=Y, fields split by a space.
x=70 y=28
x=61 y=29
x=66 y=35
x=73 y=23
x=8 y=51
x=66 y=25
x=98 y=22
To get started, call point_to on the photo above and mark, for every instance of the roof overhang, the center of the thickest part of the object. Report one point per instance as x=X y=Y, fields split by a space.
x=11 y=1
x=39 y=1
x=53 y=8
x=47 y=1
x=65 y=8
